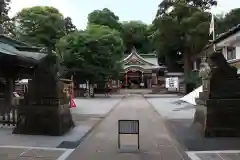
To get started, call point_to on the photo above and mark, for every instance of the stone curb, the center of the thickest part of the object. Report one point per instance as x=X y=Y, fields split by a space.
x=77 y=143
x=179 y=147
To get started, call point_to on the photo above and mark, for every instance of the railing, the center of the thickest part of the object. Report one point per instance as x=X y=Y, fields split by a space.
x=8 y=114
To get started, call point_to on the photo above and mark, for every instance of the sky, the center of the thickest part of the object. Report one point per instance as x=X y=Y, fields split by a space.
x=78 y=10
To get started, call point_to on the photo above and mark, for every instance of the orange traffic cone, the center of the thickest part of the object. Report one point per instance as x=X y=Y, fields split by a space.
x=72 y=103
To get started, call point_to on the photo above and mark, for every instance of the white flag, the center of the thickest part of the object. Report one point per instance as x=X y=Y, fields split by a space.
x=211 y=29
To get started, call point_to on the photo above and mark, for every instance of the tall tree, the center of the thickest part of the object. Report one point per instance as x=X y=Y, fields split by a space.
x=182 y=29
x=93 y=53
x=225 y=22
x=167 y=5
x=5 y=21
x=69 y=26
x=135 y=34
x=104 y=17
x=40 y=26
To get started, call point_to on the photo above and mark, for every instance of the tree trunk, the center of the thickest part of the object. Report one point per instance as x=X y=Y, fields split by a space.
x=187 y=70
x=187 y=63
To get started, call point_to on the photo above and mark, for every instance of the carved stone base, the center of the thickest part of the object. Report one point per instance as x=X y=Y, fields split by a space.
x=220 y=118
x=40 y=120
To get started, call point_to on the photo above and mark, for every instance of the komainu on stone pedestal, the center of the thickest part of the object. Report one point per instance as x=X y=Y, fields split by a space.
x=45 y=110
x=218 y=109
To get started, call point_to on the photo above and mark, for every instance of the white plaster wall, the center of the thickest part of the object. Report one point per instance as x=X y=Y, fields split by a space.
x=224 y=51
x=237 y=52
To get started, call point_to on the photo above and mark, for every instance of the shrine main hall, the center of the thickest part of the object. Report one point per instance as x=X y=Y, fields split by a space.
x=141 y=71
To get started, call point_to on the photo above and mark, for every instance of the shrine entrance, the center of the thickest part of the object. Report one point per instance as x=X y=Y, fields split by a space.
x=134 y=79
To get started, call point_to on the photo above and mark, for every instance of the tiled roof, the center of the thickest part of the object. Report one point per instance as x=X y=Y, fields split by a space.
x=28 y=56
x=225 y=35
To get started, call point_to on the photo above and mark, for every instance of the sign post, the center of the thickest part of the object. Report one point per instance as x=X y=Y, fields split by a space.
x=128 y=127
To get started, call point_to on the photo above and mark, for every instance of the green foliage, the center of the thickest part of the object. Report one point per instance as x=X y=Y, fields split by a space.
x=166 y=5
x=193 y=78
x=181 y=27
x=69 y=26
x=40 y=26
x=135 y=34
x=93 y=53
x=104 y=17
x=5 y=21
x=225 y=22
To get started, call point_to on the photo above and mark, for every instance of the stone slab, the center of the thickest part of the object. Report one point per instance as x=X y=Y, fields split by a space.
x=7 y=138
x=33 y=153
x=87 y=113
x=179 y=120
x=215 y=155
x=155 y=141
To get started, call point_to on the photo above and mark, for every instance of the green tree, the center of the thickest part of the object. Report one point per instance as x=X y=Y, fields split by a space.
x=40 y=26
x=225 y=22
x=104 y=17
x=5 y=21
x=135 y=34
x=93 y=53
x=183 y=30
x=69 y=26
x=166 y=5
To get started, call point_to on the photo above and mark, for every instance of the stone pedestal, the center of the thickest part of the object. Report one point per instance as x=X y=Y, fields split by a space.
x=219 y=118
x=45 y=110
x=218 y=105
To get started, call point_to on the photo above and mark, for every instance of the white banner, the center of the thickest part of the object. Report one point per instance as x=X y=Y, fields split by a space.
x=172 y=83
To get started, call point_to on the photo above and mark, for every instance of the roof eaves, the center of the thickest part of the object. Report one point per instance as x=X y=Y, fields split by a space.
x=225 y=35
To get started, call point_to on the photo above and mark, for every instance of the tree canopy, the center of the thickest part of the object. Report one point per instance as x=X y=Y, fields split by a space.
x=5 y=20
x=104 y=17
x=69 y=26
x=93 y=53
x=225 y=22
x=182 y=29
x=135 y=34
x=40 y=26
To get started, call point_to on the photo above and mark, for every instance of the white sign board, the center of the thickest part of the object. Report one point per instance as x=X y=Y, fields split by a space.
x=172 y=83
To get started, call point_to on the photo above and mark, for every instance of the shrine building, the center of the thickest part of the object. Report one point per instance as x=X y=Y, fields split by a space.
x=141 y=71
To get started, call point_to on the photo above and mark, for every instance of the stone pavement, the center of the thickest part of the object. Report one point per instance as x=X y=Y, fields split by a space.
x=33 y=153
x=179 y=121
x=215 y=155
x=87 y=113
x=155 y=141
x=37 y=147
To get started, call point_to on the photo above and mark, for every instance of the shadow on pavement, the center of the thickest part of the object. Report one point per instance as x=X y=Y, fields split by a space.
x=189 y=136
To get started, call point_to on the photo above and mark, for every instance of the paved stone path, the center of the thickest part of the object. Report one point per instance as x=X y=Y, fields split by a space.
x=214 y=155
x=33 y=153
x=155 y=142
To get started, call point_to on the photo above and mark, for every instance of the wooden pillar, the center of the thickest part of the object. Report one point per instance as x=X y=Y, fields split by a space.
x=9 y=92
x=126 y=80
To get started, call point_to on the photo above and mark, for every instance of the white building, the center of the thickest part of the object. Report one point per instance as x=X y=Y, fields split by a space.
x=227 y=43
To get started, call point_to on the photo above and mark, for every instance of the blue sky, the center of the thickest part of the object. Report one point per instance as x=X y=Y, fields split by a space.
x=78 y=10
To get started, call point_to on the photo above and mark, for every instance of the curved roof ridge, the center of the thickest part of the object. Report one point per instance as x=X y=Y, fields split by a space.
x=134 y=52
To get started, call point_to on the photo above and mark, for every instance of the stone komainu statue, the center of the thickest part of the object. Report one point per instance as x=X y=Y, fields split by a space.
x=224 y=81
x=218 y=110
x=205 y=69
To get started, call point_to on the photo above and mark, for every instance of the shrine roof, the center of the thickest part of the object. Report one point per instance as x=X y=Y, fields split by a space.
x=227 y=34
x=11 y=41
x=25 y=55
x=147 y=59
